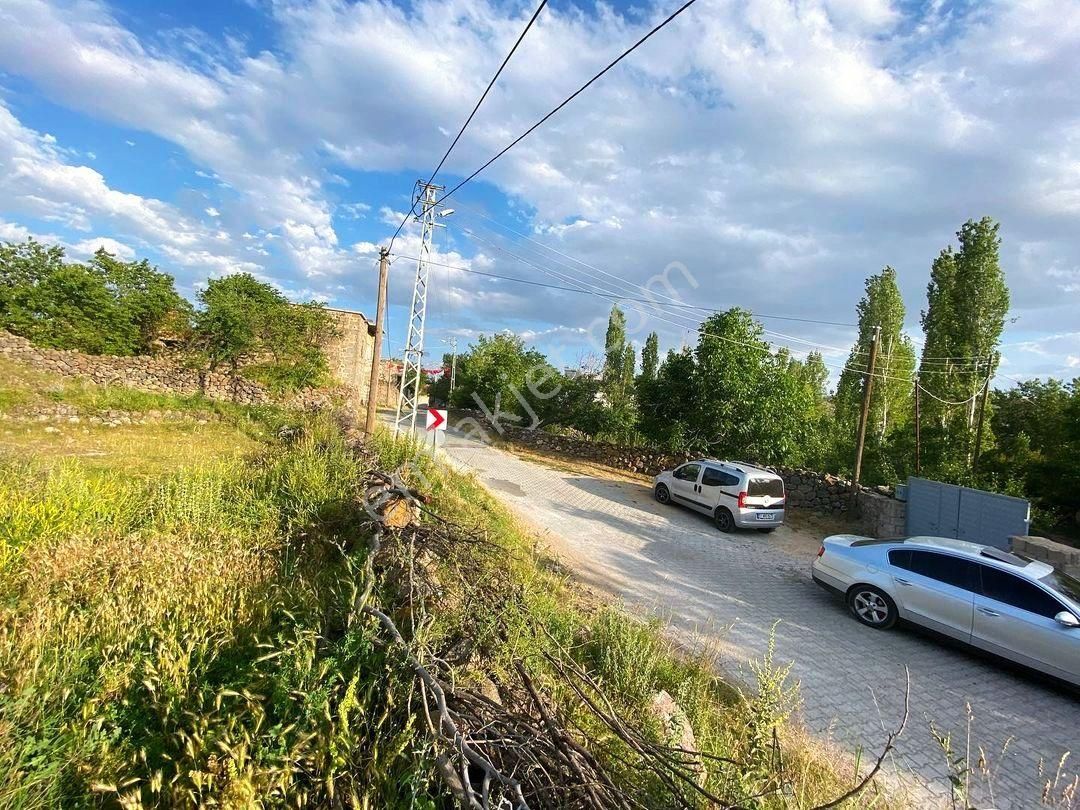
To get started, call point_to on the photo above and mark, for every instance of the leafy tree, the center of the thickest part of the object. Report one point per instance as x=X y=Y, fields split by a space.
x=967 y=301
x=1037 y=428
x=245 y=322
x=148 y=303
x=734 y=397
x=580 y=406
x=666 y=403
x=500 y=375
x=891 y=395
x=105 y=306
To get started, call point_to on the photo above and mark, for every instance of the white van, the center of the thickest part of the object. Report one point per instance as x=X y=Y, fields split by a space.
x=736 y=494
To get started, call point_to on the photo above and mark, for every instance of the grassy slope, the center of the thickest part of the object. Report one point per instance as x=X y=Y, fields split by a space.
x=177 y=623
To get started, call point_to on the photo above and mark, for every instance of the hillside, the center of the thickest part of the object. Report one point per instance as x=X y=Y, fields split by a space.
x=196 y=612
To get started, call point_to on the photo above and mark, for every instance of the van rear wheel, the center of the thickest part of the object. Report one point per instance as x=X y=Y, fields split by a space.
x=724 y=521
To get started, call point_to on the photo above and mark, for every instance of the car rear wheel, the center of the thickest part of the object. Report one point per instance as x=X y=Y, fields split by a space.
x=872 y=607
x=724 y=521
x=663 y=495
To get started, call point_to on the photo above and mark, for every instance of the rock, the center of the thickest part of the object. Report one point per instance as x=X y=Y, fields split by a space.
x=675 y=728
x=73 y=420
x=51 y=429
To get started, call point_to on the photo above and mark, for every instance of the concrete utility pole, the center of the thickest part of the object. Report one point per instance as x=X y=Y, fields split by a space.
x=376 y=351
x=868 y=388
x=412 y=371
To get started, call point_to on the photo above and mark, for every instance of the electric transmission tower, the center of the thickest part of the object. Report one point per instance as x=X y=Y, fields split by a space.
x=412 y=371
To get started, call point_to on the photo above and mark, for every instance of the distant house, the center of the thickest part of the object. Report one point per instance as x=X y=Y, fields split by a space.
x=349 y=356
x=572 y=373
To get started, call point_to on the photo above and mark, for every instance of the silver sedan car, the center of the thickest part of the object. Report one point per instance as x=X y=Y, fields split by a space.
x=1000 y=602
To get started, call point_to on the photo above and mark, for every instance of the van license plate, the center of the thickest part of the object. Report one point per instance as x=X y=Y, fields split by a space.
x=766 y=515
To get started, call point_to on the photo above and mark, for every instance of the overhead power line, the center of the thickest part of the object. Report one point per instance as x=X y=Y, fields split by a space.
x=571 y=97
x=653 y=294
x=619 y=297
x=754 y=346
x=651 y=301
x=468 y=120
x=487 y=89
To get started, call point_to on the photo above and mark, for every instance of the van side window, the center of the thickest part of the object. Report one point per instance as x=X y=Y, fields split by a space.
x=1012 y=590
x=687 y=472
x=716 y=478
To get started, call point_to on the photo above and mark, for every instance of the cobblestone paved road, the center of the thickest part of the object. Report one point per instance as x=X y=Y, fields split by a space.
x=731 y=589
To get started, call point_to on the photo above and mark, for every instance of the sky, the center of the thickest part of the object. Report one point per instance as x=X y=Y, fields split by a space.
x=769 y=154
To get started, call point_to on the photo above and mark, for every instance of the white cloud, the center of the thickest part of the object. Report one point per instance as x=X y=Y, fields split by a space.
x=83 y=249
x=212 y=212
x=781 y=150
x=37 y=180
x=88 y=247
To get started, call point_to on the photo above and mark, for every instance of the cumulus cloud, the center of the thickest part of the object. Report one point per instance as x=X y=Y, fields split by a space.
x=781 y=151
x=83 y=249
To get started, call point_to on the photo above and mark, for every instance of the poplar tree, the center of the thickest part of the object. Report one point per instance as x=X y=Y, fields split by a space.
x=614 y=349
x=650 y=357
x=626 y=383
x=891 y=395
x=967 y=301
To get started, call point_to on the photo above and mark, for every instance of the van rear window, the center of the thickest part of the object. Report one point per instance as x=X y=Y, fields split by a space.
x=758 y=487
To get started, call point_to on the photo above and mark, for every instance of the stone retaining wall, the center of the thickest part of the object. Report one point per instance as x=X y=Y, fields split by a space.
x=166 y=373
x=880 y=514
x=110 y=417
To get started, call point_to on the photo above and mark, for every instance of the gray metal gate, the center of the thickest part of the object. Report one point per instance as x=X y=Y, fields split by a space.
x=946 y=510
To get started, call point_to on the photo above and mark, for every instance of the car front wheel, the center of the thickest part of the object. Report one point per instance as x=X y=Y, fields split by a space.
x=872 y=607
x=663 y=495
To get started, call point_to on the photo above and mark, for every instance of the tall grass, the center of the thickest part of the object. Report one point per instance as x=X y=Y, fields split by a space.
x=185 y=641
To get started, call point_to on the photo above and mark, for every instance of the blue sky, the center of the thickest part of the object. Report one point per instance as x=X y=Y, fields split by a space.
x=764 y=153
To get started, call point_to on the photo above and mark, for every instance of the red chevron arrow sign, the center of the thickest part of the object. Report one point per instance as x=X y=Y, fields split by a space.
x=436 y=419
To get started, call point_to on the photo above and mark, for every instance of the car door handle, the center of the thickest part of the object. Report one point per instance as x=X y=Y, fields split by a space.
x=903 y=581
x=988 y=612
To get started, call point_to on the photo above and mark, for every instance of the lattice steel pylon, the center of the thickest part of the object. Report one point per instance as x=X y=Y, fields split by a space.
x=412 y=371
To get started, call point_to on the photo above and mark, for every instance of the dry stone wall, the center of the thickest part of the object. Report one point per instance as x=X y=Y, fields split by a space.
x=165 y=373
x=879 y=513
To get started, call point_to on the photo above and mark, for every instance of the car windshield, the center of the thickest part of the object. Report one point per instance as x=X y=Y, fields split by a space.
x=1063 y=584
x=773 y=487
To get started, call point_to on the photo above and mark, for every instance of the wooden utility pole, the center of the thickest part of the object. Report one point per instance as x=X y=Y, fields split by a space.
x=376 y=351
x=918 y=438
x=868 y=388
x=982 y=416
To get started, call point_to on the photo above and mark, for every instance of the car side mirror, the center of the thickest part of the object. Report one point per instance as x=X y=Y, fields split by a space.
x=1066 y=619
